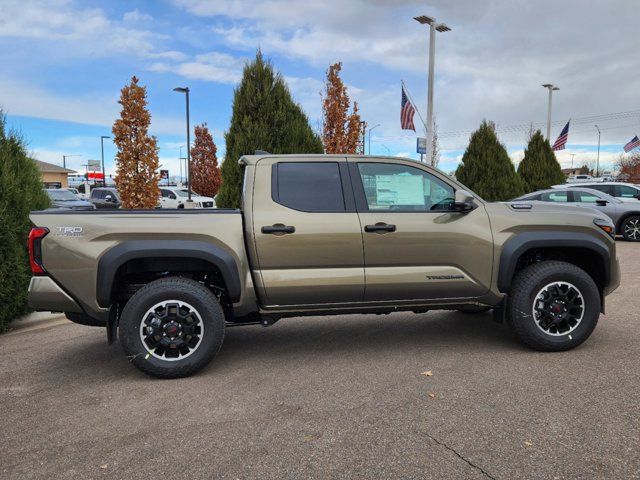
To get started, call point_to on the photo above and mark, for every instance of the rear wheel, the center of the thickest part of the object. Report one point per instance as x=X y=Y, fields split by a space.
x=553 y=306
x=172 y=327
x=631 y=228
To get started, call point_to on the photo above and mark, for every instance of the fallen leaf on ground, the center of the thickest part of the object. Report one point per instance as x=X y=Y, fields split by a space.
x=528 y=444
x=428 y=373
x=104 y=466
x=432 y=395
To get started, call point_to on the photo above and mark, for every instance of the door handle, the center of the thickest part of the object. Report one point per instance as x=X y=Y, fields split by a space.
x=278 y=228
x=380 y=227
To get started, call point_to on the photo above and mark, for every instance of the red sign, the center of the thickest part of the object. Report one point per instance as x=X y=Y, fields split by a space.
x=95 y=176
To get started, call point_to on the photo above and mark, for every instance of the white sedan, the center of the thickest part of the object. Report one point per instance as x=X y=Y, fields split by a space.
x=176 y=197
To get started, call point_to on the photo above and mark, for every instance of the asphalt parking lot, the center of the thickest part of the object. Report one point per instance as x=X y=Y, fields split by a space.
x=332 y=397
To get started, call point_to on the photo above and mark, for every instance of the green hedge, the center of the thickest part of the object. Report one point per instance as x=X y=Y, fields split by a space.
x=20 y=192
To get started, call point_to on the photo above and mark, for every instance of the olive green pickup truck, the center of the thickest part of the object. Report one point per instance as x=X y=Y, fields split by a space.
x=319 y=235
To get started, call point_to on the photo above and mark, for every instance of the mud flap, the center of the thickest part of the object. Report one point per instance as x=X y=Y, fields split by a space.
x=112 y=324
x=500 y=311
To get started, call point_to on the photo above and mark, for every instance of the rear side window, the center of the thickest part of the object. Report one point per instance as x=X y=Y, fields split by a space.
x=559 y=196
x=309 y=186
x=585 y=197
x=96 y=194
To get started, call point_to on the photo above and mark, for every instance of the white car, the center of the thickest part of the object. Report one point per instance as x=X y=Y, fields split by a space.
x=176 y=197
x=580 y=178
x=627 y=192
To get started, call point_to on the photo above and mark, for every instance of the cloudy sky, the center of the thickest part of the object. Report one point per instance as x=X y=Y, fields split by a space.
x=64 y=62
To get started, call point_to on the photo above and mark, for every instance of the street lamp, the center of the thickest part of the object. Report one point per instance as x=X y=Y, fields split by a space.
x=375 y=126
x=64 y=159
x=180 y=158
x=551 y=88
x=104 y=173
x=185 y=90
x=440 y=27
x=598 y=157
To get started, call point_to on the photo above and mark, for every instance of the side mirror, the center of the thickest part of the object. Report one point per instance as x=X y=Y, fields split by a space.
x=637 y=196
x=463 y=201
x=108 y=198
x=601 y=203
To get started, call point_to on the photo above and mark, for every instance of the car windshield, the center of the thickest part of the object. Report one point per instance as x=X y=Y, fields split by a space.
x=61 y=195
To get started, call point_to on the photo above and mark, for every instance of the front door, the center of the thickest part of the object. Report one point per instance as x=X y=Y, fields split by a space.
x=307 y=234
x=416 y=247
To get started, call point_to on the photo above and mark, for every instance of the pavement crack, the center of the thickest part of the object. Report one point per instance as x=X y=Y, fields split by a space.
x=461 y=457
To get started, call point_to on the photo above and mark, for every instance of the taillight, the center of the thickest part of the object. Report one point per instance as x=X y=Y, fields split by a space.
x=35 y=249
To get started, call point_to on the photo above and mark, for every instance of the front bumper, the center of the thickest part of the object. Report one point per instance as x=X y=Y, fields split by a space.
x=45 y=295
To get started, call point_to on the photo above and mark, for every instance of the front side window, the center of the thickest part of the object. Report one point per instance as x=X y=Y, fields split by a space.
x=560 y=196
x=309 y=186
x=585 y=197
x=626 y=191
x=392 y=187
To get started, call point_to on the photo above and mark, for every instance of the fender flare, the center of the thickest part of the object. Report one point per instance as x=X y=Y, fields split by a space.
x=520 y=243
x=117 y=256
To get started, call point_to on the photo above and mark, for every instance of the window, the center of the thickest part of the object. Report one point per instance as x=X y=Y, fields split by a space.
x=391 y=187
x=625 y=191
x=585 y=197
x=560 y=196
x=309 y=186
x=97 y=194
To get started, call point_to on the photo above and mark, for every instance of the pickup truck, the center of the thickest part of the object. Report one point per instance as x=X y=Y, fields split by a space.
x=319 y=235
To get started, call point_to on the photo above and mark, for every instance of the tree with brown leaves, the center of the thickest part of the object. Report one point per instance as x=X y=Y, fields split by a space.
x=137 y=158
x=340 y=130
x=629 y=166
x=205 y=173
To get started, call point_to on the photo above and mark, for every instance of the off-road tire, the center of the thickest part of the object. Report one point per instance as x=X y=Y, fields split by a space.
x=180 y=289
x=84 y=319
x=471 y=309
x=526 y=285
x=625 y=224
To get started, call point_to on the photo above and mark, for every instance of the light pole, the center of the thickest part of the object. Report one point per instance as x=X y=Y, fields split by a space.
x=64 y=159
x=375 y=126
x=185 y=90
x=598 y=157
x=440 y=27
x=551 y=88
x=572 y=155
x=104 y=174
x=180 y=158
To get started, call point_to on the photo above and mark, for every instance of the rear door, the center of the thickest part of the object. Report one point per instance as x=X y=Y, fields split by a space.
x=415 y=245
x=307 y=233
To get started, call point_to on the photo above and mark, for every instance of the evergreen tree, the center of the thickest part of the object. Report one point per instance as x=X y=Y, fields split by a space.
x=486 y=167
x=264 y=117
x=539 y=168
x=137 y=157
x=20 y=192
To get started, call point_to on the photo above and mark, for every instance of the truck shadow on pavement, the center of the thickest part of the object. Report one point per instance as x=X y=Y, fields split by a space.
x=292 y=340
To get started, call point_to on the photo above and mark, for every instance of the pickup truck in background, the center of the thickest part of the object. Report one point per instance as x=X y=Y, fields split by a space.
x=319 y=235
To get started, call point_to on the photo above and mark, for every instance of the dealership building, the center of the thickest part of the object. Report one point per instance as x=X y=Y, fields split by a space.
x=53 y=176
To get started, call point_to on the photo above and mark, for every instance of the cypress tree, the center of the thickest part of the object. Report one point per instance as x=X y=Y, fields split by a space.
x=486 y=167
x=264 y=117
x=20 y=192
x=539 y=168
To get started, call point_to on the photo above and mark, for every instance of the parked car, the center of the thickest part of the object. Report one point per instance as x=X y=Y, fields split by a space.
x=106 y=198
x=625 y=215
x=63 y=198
x=579 y=178
x=323 y=234
x=627 y=192
x=176 y=197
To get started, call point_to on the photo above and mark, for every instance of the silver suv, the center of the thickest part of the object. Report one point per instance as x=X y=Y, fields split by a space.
x=626 y=192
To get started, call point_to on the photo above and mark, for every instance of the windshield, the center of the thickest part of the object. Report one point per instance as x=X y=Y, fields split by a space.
x=61 y=195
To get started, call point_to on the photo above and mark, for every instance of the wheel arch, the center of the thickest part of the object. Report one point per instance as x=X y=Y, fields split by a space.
x=528 y=247
x=111 y=262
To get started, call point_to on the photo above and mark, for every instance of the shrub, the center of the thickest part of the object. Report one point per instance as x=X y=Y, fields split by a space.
x=20 y=192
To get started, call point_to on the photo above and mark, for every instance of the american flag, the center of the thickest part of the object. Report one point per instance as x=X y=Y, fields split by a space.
x=633 y=143
x=406 y=112
x=562 y=139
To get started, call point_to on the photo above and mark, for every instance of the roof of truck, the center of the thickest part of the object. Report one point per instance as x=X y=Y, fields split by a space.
x=253 y=159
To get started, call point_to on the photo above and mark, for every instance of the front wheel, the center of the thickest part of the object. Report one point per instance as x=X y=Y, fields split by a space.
x=631 y=228
x=553 y=306
x=172 y=327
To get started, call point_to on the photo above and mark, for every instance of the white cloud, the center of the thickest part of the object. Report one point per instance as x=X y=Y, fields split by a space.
x=136 y=16
x=213 y=67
